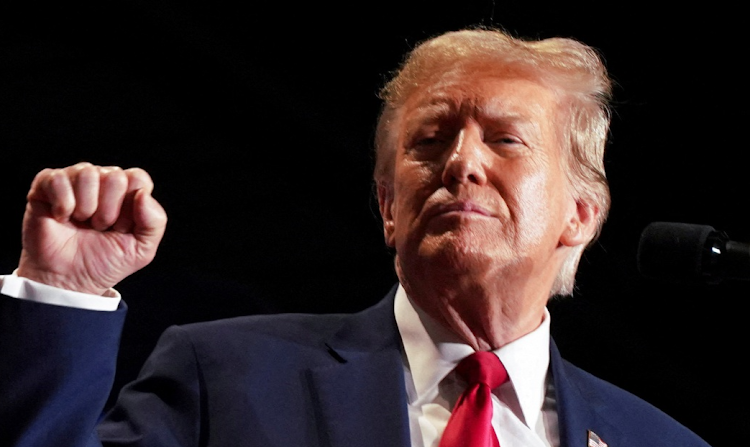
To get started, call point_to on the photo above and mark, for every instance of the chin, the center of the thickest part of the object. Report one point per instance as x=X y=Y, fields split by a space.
x=461 y=253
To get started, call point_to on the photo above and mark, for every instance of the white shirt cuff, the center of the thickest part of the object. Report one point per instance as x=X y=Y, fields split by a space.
x=24 y=288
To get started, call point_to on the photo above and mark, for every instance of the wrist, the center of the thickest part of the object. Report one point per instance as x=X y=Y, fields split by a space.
x=60 y=281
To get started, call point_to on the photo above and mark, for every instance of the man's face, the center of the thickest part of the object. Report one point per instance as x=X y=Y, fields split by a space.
x=478 y=180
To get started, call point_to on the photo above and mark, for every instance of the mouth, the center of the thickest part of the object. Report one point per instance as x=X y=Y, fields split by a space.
x=461 y=208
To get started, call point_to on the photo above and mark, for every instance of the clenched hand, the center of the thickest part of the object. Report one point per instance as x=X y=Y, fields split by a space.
x=88 y=227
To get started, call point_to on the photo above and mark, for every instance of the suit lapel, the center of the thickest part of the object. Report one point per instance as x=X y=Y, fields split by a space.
x=362 y=398
x=578 y=411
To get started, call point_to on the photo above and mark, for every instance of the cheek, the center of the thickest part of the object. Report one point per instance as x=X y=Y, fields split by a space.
x=539 y=208
x=413 y=185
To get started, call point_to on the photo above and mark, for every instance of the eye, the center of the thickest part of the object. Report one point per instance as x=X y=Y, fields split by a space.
x=506 y=144
x=503 y=139
x=430 y=139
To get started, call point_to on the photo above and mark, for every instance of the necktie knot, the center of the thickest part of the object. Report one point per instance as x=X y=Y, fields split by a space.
x=482 y=367
x=470 y=423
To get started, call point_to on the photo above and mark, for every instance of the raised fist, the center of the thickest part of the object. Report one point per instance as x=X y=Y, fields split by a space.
x=88 y=227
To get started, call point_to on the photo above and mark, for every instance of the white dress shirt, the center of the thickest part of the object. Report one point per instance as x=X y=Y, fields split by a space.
x=524 y=410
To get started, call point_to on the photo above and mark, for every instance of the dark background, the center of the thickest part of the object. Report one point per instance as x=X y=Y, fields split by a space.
x=255 y=121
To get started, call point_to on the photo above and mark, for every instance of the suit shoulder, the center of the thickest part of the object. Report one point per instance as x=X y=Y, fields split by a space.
x=300 y=328
x=297 y=327
x=641 y=420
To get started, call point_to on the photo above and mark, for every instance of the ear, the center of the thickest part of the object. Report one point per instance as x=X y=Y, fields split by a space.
x=385 y=203
x=581 y=224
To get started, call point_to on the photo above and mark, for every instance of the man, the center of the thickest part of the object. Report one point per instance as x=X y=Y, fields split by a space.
x=490 y=183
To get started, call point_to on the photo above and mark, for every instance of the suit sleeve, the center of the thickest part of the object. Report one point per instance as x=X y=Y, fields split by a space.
x=165 y=404
x=57 y=367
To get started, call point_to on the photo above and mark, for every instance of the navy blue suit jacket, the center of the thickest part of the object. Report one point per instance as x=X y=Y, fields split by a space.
x=265 y=380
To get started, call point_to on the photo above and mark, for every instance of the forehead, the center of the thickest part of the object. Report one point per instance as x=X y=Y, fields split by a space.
x=512 y=99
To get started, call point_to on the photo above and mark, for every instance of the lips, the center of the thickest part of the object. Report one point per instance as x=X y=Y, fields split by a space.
x=460 y=207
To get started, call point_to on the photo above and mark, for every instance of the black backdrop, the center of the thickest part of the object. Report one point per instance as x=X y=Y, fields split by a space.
x=255 y=121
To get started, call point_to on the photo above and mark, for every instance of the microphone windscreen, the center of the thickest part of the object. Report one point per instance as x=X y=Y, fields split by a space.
x=674 y=251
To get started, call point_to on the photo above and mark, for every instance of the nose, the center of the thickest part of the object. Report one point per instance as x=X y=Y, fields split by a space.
x=467 y=160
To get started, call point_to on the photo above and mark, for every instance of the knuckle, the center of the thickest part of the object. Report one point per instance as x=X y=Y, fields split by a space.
x=57 y=178
x=88 y=175
x=110 y=169
x=138 y=173
x=43 y=175
x=115 y=178
x=138 y=178
x=45 y=172
x=81 y=166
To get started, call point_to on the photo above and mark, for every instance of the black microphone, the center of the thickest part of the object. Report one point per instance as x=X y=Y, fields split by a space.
x=681 y=252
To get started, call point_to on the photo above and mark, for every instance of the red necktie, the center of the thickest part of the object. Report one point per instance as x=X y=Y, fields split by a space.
x=470 y=424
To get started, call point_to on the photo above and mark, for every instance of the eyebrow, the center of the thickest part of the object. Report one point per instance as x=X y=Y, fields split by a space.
x=496 y=110
x=442 y=107
x=433 y=110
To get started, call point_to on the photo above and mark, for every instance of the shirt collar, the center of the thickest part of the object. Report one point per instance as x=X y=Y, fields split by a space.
x=432 y=352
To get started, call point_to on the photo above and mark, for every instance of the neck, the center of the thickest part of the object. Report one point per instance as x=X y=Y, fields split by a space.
x=486 y=314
